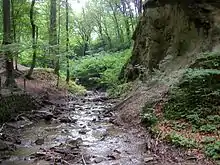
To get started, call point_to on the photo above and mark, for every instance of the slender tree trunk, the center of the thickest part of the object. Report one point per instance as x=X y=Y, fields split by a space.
x=115 y=19
x=14 y=32
x=140 y=6
x=105 y=29
x=53 y=34
x=58 y=41
x=7 y=40
x=34 y=40
x=67 y=43
x=126 y=20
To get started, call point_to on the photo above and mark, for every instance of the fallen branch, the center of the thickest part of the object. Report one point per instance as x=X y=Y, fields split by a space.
x=83 y=160
x=64 y=161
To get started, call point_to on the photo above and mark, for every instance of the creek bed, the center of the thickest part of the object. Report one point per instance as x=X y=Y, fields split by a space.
x=75 y=131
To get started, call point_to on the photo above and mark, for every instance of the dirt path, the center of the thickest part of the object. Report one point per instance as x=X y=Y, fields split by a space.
x=79 y=131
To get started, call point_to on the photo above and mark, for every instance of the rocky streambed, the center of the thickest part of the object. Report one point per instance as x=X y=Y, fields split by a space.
x=75 y=130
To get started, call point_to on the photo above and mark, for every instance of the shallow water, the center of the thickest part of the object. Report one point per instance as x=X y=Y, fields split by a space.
x=100 y=141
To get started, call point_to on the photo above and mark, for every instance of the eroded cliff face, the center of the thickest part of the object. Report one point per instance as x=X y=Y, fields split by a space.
x=172 y=33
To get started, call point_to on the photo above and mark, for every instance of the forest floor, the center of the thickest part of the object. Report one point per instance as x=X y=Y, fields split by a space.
x=90 y=129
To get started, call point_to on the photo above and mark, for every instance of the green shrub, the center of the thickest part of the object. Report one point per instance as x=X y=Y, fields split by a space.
x=100 y=70
x=148 y=117
x=208 y=128
x=196 y=97
x=213 y=150
x=181 y=141
x=72 y=87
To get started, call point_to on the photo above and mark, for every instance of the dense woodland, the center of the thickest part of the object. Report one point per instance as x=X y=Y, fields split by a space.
x=50 y=34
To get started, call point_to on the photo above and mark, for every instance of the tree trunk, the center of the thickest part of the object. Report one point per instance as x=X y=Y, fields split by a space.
x=14 y=32
x=140 y=6
x=53 y=34
x=34 y=40
x=115 y=19
x=7 y=40
x=58 y=41
x=67 y=43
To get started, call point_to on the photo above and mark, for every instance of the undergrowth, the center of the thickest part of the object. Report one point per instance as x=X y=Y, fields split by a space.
x=101 y=71
x=192 y=111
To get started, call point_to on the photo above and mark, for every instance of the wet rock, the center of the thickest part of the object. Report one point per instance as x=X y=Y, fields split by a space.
x=149 y=159
x=20 y=124
x=17 y=141
x=67 y=119
x=3 y=146
x=39 y=141
x=114 y=156
x=83 y=132
x=99 y=159
x=76 y=142
x=46 y=115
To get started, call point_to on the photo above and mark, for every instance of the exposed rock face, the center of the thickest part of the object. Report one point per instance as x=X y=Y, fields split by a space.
x=169 y=30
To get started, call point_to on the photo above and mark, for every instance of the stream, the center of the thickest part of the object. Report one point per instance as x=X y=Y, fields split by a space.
x=77 y=131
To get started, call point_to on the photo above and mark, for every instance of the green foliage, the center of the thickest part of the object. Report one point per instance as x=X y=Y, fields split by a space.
x=213 y=150
x=196 y=95
x=179 y=126
x=181 y=141
x=100 y=70
x=148 y=117
x=72 y=87
x=208 y=128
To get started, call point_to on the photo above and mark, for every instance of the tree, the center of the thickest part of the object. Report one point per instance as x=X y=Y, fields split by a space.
x=53 y=34
x=7 y=40
x=67 y=42
x=34 y=39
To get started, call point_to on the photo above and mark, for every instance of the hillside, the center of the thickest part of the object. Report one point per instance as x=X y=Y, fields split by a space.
x=176 y=57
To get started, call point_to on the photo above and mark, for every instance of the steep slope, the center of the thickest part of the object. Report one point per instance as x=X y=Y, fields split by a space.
x=176 y=55
x=172 y=32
